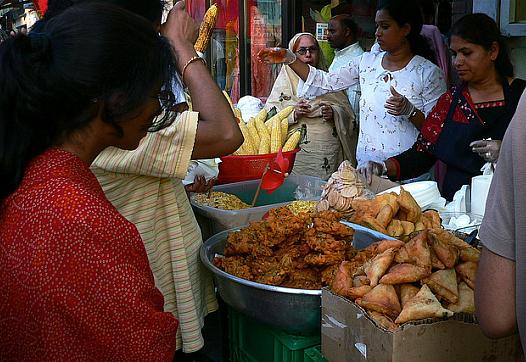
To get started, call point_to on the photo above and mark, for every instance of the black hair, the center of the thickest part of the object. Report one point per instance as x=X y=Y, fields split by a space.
x=348 y=22
x=482 y=30
x=408 y=12
x=56 y=82
x=150 y=9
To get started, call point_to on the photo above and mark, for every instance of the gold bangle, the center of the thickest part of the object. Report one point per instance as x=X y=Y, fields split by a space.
x=190 y=61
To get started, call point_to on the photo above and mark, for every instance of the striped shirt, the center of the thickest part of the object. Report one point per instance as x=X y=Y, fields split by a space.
x=145 y=186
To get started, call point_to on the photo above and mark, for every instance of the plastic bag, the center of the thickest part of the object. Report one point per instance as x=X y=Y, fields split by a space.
x=207 y=168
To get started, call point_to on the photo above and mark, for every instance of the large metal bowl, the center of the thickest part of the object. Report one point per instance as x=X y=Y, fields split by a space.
x=296 y=311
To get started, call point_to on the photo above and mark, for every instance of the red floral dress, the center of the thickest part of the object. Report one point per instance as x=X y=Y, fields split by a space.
x=74 y=275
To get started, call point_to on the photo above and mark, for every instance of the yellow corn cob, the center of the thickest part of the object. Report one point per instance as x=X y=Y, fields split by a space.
x=248 y=144
x=293 y=141
x=225 y=93
x=262 y=115
x=237 y=113
x=264 y=145
x=253 y=132
x=284 y=113
x=205 y=30
x=264 y=137
x=284 y=129
x=268 y=125
x=275 y=137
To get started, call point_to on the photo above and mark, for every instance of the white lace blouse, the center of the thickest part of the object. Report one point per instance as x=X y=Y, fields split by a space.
x=381 y=135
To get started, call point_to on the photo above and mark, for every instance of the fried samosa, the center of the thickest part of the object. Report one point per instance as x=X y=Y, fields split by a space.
x=444 y=284
x=416 y=251
x=446 y=252
x=382 y=299
x=385 y=215
x=395 y=228
x=468 y=271
x=470 y=254
x=343 y=280
x=407 y=292
x=383 y=321
x=377 y=267
x=404 y=273
x=466 y=300
x=423 y=305
x=409 y=206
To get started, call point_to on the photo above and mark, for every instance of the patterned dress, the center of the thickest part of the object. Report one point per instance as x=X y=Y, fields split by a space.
x=76 y=284
x=145 y=185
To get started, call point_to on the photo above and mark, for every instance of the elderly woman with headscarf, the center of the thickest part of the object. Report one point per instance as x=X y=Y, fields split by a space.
x=331 y=132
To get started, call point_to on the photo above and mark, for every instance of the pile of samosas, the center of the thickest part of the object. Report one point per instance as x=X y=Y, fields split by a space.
x=394 y=215
x=296 y=251
x=430 y=276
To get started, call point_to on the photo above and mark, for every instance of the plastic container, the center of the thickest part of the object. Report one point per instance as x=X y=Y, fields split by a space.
x=461 y=221
x=243 y=168
x=313 y=354
x=294 y=188
x=253 y=341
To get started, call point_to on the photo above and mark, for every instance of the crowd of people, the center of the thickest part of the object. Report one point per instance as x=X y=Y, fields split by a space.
x=98 y=243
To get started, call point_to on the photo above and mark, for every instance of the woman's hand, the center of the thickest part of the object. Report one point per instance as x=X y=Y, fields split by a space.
x=180 y=28
x=276 y=56
x=487 y=149
x=327 y=113
x=200 y=185
x=372 y=168
x=301 y=109
x=398 y=105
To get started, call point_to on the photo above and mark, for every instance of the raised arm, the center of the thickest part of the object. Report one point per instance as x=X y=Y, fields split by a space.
x=217 y=130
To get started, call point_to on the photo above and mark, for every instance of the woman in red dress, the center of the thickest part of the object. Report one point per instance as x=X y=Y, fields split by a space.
x=75 y=279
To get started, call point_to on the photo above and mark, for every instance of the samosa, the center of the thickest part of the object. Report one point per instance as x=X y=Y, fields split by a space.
x=343 y=280
x=409 y=206
x=404 y=273
x=382 y=299
x=423 y=305
x=466 y=300
x=468 y=271
x=377 y=267
x=444 y=284
x=385 y=215
x=395 y=228
x=407 y=292
x=383 y=321
x=416 y=252
x=446 y=252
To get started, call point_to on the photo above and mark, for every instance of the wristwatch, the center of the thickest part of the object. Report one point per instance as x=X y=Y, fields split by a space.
x=413 y=112
x=384 y=170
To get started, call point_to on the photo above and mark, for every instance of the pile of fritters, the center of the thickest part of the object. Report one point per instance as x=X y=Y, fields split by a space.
x=296 y=251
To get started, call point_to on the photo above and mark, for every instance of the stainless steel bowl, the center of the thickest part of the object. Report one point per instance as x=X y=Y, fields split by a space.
x=296 y=311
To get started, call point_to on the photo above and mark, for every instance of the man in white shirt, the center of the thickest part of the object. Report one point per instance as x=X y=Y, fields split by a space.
x=341 y=35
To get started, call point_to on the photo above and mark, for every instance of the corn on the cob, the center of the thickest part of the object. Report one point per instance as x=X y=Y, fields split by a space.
x=262 y=115
x=248 y=144
x=275 y=137
x=284 y=113
x=284 y=129
x=268 y=125
x=206 y=28
x=225 y=93
x=293 y=141
x=264 y=145
x=253 y=132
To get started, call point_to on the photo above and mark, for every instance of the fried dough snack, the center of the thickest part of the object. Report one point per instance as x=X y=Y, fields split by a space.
x=423 y=305
x=296 y=251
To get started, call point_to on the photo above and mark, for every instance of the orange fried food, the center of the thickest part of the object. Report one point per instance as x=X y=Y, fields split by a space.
x=390 y=199
x=357 y=292
x=383 y=321
x=470 y=254
x=409 y=206
x=382 y=299
x=343 y=280
x=468 y=271
x=234 y=265
x=395 y=228
x=404 y=273
x=435 y=262
x=416 y=251
x=385 y=215
x=423 y=305
x=383 y=245
x=324 y=260
x=446 y=252
x=407 y=292
x=444 y=284
x=359 y=280
x=466 y=300
x=367 y=207
x=325 y=243
x=329 y=222
x=372 y=223
x=408 y=227
x=328 y=274
x=431 y=219
x=303 y=278
x=376 y=267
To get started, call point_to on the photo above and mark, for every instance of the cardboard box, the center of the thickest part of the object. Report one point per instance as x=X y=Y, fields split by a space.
x=347 y=334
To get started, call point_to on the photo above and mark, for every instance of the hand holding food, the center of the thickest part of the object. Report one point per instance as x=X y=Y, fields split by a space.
x=487 y=149
x=276 y=56
x=372 y=168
